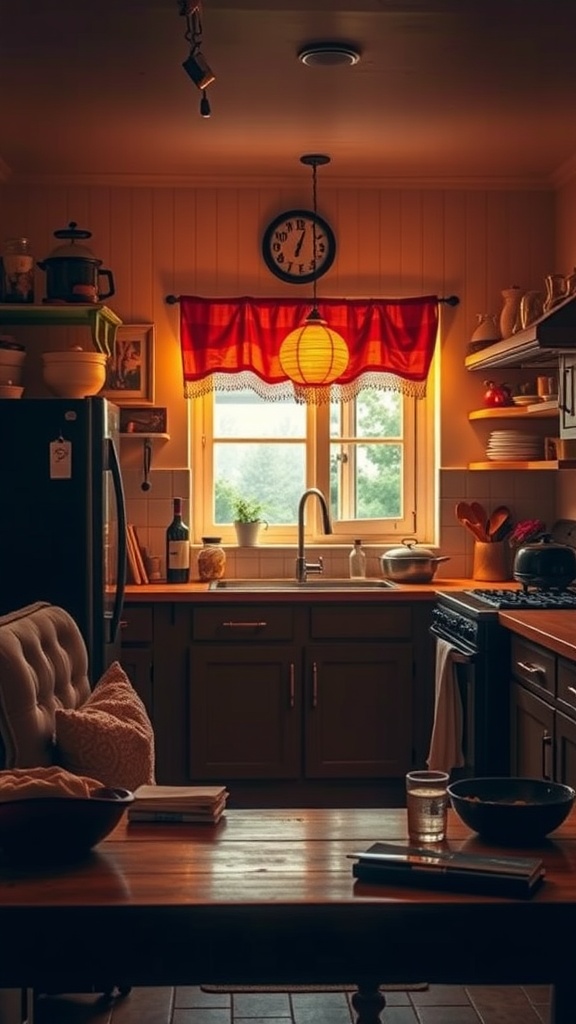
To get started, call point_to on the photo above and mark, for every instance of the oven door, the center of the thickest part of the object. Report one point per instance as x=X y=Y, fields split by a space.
x=463 y=662
x=483 y=678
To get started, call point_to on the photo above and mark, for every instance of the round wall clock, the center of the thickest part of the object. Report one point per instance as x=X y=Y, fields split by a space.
x=288 y=246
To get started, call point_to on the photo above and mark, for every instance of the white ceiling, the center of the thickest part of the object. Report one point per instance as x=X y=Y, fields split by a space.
x=447 y=92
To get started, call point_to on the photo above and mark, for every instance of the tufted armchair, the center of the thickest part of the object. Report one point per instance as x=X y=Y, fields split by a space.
x=43 y=665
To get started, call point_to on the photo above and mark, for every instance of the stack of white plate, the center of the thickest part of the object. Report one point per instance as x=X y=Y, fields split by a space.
x=514 y=446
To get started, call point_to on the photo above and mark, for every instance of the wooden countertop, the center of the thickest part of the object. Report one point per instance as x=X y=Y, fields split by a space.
x=555 y=630
x=198 y=592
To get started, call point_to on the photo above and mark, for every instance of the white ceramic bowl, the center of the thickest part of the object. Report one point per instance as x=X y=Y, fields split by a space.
x=11 y=391
x=74 y=373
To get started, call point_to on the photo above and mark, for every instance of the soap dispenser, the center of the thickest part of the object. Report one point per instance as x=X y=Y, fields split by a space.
x=357 y=561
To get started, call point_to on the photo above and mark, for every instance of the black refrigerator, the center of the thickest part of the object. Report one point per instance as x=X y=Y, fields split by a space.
x=62 y=515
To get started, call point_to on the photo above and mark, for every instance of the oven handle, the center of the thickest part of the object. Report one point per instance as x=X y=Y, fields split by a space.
x=468 y=654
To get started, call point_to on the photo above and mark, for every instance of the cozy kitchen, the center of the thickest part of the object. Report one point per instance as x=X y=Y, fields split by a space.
x=315 y=662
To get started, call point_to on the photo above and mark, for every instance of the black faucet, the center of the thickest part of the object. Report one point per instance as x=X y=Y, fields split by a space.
x=302 y=566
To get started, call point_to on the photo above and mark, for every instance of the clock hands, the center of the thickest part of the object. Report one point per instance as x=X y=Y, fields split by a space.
x=299 y=243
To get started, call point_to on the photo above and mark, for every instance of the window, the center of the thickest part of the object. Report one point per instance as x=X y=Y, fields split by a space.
x=373 y=457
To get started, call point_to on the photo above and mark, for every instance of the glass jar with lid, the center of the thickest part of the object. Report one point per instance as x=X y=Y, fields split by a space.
x=17 y=270
x=211 y=559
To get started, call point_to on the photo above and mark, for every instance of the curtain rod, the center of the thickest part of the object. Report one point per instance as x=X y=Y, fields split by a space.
x=451 y=300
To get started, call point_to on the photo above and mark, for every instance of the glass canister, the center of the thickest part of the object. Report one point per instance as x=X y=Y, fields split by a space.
x=17 y=271
x=211 y=559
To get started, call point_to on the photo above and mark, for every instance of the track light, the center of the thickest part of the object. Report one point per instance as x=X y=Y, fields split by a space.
x=196 y=66
x=199 y=71
x=205 y=108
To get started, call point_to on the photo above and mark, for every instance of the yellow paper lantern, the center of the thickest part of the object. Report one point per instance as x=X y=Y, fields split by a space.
x=314 y=354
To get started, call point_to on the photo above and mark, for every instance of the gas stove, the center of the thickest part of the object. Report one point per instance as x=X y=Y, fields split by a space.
x=469 y=618
x=524 y=599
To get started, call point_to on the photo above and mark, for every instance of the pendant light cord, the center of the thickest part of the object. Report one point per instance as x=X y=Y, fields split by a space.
x=314 y=254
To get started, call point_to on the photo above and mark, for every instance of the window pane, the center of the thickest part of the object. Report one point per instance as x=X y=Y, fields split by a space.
x=371 y=414
x=366 y=481
x=244 y=414
x=273 y=474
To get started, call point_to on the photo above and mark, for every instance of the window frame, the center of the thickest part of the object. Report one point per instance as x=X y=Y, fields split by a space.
x=420 y=420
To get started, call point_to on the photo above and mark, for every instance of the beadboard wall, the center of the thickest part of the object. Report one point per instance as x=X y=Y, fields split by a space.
x=391 y=242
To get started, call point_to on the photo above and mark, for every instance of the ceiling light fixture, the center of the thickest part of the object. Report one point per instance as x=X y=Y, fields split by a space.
x=328 y=54
x=205 y=108
x=196 y=66
x=313 y=355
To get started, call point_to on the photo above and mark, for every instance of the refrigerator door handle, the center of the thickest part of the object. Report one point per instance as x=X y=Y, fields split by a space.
x=114 y=464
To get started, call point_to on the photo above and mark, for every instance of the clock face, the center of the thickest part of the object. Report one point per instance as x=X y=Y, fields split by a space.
x=288 y=246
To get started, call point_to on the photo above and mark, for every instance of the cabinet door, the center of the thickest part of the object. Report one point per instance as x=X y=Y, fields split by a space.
x=358 y=710
x=136 y=634
x=565 y=750
x=532 y=735
x=244 y=712
x=137 y=663
x=567 y=396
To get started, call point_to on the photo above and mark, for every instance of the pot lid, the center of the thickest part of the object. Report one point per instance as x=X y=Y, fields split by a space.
x=72 y=248
x=411 y=550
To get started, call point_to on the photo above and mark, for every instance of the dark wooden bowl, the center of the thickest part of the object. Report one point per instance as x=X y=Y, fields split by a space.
x=59 y=828
x=511 y=810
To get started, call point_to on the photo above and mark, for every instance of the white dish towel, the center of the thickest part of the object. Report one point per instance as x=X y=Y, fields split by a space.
x=446 y=741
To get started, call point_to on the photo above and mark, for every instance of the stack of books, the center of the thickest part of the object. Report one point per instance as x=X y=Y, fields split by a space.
x=491 y=875
x=193 y=804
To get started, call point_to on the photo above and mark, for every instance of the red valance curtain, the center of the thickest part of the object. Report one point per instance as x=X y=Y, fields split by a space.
x=232 y=344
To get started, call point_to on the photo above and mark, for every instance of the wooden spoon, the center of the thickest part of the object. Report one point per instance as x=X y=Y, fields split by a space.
x=480 y=516
x=475 y=528
x=473 y=516
x=498 y=518
x=465 y=515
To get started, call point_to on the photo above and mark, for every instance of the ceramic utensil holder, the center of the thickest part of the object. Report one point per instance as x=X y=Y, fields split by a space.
x=490 y=561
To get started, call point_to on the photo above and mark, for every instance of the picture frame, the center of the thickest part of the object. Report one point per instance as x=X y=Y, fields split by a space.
x=130 y=368
x=144 y=419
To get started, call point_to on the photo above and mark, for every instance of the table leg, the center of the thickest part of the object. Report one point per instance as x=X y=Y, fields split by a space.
x=369 y=1001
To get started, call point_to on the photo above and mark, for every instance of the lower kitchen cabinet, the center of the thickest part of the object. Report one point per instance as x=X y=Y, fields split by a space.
x=543 y=713
x=137 y=633
x=358 y=710
x=299 y=698
x=532 y=735
x=244 y=713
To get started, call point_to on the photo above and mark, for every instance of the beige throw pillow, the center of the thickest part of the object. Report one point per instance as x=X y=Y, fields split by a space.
x=110 y=737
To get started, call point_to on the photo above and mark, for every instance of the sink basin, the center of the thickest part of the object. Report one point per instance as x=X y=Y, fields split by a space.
x=254 y=586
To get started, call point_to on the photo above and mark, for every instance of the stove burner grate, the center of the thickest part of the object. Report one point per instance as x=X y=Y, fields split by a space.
x=526 y=599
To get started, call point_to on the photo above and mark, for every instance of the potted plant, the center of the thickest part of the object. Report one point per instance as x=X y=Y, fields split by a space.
x=248 y=520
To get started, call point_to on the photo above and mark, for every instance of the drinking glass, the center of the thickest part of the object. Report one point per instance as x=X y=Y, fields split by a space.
x=427 y=805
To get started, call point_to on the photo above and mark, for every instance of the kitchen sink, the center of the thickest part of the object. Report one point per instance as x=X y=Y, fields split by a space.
x=254 y=586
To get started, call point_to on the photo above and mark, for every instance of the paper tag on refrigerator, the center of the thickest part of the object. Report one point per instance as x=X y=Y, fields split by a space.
x=60 y=460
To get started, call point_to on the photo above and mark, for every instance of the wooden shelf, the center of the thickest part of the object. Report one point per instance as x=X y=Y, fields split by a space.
x=101 y=320
x=143 y=436
x=543 y=464
x=516 y=412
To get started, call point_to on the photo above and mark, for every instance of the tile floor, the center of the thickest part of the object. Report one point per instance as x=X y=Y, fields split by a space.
x=439 y=1004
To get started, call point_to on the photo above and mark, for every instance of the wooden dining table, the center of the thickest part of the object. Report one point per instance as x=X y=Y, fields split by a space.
x=268 y=897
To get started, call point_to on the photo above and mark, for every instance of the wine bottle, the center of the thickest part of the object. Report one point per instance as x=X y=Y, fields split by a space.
x=177 y=547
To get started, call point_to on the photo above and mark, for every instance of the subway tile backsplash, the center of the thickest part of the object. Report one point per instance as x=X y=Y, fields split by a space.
x=529 y=494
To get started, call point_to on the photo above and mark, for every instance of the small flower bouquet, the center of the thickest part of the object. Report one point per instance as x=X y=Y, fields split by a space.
x=527 y=531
